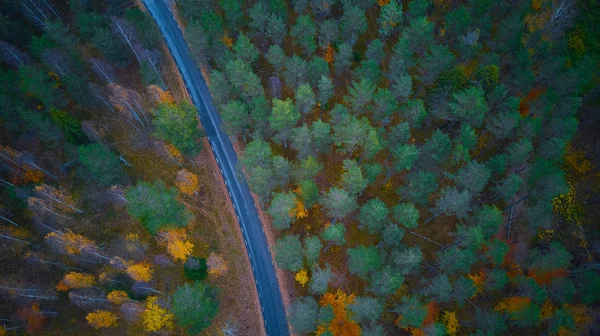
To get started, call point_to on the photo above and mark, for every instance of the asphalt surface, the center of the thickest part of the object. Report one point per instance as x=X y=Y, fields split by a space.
x=263 y=269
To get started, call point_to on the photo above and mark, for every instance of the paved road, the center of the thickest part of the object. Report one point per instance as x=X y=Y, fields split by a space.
x=256 y=243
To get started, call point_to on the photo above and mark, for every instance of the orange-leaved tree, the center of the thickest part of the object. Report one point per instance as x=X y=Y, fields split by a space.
x=341 y=324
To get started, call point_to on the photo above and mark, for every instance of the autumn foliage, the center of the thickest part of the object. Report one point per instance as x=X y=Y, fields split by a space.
x=329 y=54
x=513 y=304
x=117 y=296
x=302 y=277
x=342 y=324
x=450 y=322
x=34 y=317
x=156 y=317
x=75 y=280
x=177 y=245
x=187 y=182
x=102 y=319
x=217 y=266
x=72 y=243
x=140 y=272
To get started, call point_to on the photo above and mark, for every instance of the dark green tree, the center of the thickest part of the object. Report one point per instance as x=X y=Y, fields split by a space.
x=362 y=260
x=195 y=305
x=288 y=253
x=373 y=215
x=303 y=313
x=102 y=165
x=178 y=124
x=156 y=206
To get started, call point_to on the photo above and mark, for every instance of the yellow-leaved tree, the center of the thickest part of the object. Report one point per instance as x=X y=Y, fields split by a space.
x=102 y=319
x=302 y=277
x=75 y=280
x=451 y=322
x=156 y=317
x=177 y=245
x=140 y=272
x=187 y=182
x=117 y=296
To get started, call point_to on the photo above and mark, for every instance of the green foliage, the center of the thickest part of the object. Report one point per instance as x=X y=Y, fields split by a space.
x=352 y=177
x=319 y=281
x=281 y=209
x=236 y=118
x=147 y=31
x=456 y=260
x=554 y=258
x=289 y=253
x=245 y=50
x=362 y=260
x=338 y=202
x=243 y=79
x=102 y=165
x=40 y=85
x=312 y=249
x=70 y=126
x=438 y=146
x=284 y=118
x=464 y=288
x=386 y=281
x=195 y=269
x=366 y=309
x=497 y=249
x=496 y=279
x=473 y=177
x=406 y=215
x=470 y=106
x=390 y=18
x=304 y=32
x=195 y=306
x=156 y=206
x=373 y=215
x=405 y=156
x=420 y=184
x=178 y=124
x=309 y=193
x=303 y=313
x=453 y=202
x=588 y=283
x=412 y=312
x=335 y=233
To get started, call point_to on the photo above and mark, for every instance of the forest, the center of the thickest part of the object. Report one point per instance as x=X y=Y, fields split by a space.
x=110 y=220
x=422 y=167
x=417 y=159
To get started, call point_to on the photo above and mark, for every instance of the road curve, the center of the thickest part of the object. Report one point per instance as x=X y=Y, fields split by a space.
x=263 y=269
